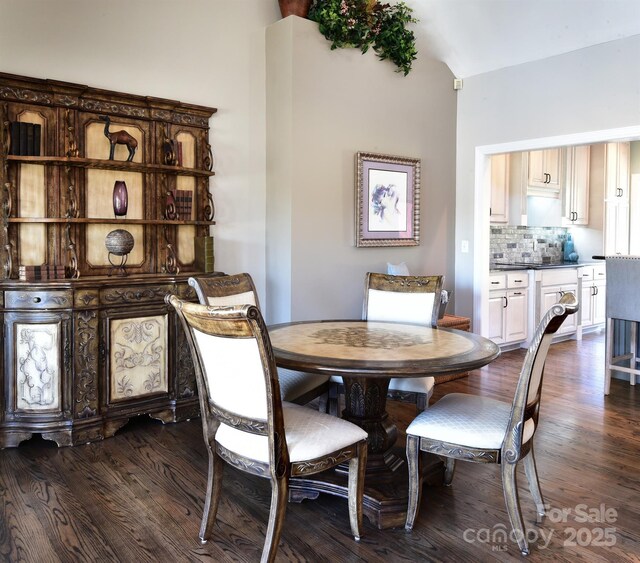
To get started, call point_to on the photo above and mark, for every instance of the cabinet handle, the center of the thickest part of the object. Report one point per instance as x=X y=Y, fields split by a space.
x=596 y=290
x=37 y=300
x=517 y=281
x=561 y=293
x=495 y=283
x=517 y=292
x=506 y=303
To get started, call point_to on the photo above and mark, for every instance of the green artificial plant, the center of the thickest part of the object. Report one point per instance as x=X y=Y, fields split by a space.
x=368 y=23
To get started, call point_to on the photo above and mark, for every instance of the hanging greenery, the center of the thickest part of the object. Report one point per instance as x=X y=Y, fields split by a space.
x=365 y=24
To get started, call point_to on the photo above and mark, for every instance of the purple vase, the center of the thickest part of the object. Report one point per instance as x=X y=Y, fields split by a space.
x=120 y=198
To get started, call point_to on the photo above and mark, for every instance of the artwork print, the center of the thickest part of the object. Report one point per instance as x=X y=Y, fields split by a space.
x=387 y=200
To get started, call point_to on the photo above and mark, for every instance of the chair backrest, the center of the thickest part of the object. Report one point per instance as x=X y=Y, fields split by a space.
x=235 y=371
x=237 y=289
x=526 y=402
x=411 y=299
x=623 y=297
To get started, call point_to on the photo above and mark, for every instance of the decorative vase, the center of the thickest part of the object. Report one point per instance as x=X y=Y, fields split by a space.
x=294 y=8
x=120 y=198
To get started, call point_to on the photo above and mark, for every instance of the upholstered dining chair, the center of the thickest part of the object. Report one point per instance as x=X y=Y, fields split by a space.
x=247 y=425
x=408 y=299
x=481 y=429
x=239 y=289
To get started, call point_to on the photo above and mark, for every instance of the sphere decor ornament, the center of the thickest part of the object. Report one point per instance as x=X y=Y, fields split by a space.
x=119 y=243
x=120 y=198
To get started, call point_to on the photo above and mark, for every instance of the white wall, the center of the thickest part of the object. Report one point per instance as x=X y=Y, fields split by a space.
x=323 y=107
x=517 y=108
x=208 y=52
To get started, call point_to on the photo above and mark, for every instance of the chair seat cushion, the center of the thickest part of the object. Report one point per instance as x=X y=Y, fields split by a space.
x=310 y=435
x=467 y=420
x=294 y=384
x=413 y=384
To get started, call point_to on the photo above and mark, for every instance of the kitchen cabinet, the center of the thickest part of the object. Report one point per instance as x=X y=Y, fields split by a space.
x=544 y=172
x=593 y=288
x=616 y=203
x=508 y=307
x=575 y=209
x=551 y=285
x=499 y=210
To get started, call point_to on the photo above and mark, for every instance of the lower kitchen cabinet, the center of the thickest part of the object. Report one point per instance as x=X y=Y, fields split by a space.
x=551 y=285
x=593 y=296
x=508 y=307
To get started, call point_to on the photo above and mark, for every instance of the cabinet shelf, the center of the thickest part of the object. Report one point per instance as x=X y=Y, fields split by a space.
x=110 y=165
x=97 y=220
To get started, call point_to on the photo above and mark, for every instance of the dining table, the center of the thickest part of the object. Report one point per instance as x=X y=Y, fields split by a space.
x=367 y=354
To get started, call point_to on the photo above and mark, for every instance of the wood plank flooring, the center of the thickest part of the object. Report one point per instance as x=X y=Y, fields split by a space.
x=138 y=497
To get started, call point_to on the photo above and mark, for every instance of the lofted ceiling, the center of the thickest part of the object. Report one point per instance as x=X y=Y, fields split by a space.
x=477 y=36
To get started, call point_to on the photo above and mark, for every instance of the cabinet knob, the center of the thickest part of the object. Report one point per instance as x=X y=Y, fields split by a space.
x=37 y=299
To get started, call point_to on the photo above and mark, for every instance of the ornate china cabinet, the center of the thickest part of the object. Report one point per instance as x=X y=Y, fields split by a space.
x=84 y=353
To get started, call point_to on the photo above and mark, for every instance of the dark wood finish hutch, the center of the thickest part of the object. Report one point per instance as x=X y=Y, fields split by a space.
x=82 y=355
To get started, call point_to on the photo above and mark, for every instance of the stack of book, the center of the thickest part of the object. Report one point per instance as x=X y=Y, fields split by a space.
x=184 y=203
x=204 y=253
x=25 y=138
x=44 y=272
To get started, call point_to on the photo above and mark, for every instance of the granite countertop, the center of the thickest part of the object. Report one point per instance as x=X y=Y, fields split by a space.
x=502 y=266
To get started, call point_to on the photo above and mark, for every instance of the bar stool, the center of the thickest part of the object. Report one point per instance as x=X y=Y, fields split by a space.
x=623 y=316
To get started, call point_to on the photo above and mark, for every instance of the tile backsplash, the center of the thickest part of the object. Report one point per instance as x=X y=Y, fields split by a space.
x=527 y=244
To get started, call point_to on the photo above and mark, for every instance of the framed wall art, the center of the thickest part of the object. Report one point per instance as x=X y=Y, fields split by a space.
x=387 y=200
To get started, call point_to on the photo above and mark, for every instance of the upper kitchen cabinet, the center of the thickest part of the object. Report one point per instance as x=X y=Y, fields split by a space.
x=545 y=172
x=616 y=203
x=499 y=210
x=575 y=208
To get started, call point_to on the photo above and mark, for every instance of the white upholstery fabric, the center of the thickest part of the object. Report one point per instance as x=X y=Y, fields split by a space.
x=467 y=420
x=246 y=298
x=294 y=384
x=538 y=366
x=238 y=366
x=413 y=385
x=400 y=307
x=310 y=434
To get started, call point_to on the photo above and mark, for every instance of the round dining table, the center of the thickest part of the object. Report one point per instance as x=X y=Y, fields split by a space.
x=367 y=354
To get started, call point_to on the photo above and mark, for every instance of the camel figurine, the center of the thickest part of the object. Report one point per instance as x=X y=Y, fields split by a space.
x=119 y=138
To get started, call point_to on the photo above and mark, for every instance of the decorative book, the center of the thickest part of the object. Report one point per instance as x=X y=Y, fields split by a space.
x=43 y=272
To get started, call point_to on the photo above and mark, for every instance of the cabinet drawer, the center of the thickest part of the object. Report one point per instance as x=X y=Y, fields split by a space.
x=497 y=281
x=599 y=272
x=586 y=273
x=559 y=276
x=517 y=279
x=38 y=299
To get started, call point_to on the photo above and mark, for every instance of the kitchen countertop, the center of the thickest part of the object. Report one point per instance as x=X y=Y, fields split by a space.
x=502 y=266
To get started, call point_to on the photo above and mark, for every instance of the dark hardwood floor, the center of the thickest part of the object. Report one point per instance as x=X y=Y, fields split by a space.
x=138 y=497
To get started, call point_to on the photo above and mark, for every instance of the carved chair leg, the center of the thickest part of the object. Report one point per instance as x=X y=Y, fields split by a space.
x=510 y=489
x=449 y=469
x=214 y=488
x=357 y=467
x=279 y=496
x=534 y=484
x=414 y=467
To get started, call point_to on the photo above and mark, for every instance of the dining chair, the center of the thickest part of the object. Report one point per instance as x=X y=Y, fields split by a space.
x=247 y=425
x=408 y=299
x=239 y=289
x=485 y=430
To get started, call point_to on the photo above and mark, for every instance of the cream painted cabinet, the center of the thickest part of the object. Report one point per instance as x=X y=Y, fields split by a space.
x=545 y=170
x=616 y=203
x=575 y=209
x=552 y=285
x=508 y=307
x=593 y=295
x=499 y=210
